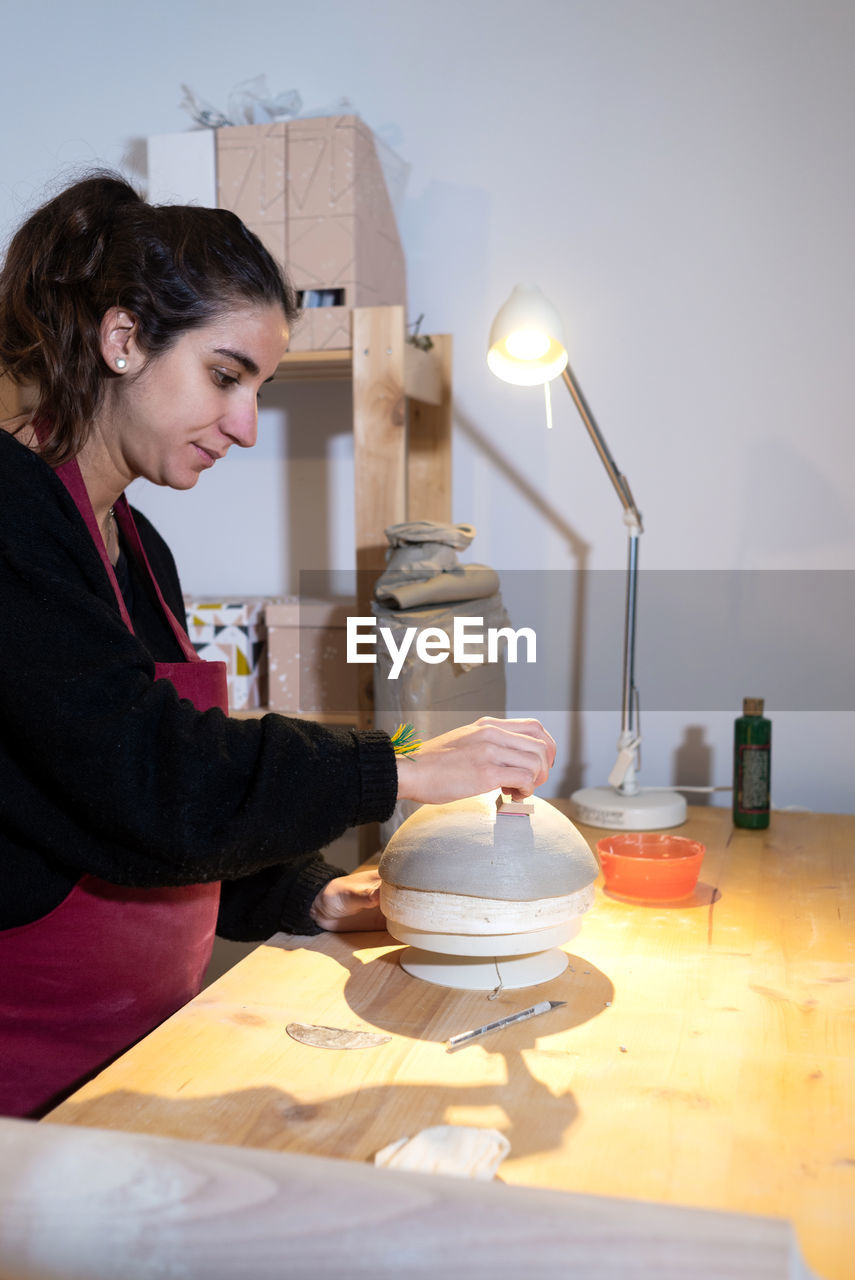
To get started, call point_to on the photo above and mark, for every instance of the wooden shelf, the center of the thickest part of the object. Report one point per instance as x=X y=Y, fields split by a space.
x=424 y=372
x=401 y=431
x=402 y=408
x=315 y=366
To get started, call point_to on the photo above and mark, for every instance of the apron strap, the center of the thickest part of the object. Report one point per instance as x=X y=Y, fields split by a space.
x=126 y=523
x=70 y=475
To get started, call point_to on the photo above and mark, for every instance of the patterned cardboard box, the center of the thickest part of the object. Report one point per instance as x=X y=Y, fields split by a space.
x=233 y=631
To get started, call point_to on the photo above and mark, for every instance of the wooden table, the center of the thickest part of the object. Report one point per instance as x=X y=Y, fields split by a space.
x=706 y=1055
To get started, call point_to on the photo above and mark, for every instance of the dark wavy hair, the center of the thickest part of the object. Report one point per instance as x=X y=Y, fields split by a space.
x=97 y=245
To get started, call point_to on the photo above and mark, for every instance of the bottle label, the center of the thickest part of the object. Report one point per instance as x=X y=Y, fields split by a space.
x=754 y=779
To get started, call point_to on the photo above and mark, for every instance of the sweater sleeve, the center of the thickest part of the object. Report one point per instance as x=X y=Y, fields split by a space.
x=104 y=769
x=274 y=900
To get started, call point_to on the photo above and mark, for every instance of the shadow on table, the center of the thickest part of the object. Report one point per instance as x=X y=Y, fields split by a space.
x=533 y=1115
x=353 y=1125
x=381 y=993
x=703 y=895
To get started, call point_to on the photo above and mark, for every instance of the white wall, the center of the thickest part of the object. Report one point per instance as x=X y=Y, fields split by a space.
x=678 y=177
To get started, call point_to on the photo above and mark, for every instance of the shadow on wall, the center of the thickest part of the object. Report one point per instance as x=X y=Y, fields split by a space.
x=317 y=441
x=573 y=776
x=692 y=764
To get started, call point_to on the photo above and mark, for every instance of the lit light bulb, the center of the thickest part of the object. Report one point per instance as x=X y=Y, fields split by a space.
x=527 y=344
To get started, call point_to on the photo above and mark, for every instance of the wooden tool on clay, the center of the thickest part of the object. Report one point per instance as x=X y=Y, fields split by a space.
x=505 y=805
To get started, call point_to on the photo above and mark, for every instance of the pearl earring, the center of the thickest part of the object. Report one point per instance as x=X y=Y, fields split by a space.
x=121 y=363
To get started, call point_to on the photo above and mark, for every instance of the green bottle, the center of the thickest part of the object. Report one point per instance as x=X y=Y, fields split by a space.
x=752 y=761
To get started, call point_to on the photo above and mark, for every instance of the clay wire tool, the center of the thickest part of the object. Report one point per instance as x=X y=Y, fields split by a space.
x=457 y=1042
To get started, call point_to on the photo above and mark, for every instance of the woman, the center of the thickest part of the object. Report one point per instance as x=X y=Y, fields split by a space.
x=136 y=818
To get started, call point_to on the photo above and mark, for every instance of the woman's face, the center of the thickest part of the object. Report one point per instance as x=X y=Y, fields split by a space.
x=174 y=416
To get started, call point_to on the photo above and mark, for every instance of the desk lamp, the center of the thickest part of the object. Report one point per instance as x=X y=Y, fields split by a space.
x=527 y=348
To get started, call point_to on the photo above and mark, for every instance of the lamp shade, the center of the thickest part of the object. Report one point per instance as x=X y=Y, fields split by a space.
x=527 y=339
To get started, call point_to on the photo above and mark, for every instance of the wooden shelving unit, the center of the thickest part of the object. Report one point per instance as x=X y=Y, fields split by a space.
x=402 y=435
x=402 y=450
x=401 y=422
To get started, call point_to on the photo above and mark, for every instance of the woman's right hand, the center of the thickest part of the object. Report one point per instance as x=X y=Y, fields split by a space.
x=515 y=755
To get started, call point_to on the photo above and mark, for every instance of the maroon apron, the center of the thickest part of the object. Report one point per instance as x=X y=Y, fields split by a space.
x=108 y=964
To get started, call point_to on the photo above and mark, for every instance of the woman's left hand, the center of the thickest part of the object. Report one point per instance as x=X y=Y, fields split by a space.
x=349 y=902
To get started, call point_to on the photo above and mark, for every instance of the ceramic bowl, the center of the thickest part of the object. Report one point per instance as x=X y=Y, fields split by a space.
x=650 y=866
x=483 y=896
x=469 y=848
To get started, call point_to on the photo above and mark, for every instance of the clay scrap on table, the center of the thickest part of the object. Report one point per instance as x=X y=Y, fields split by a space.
x=460 y=1150
x=334 y=1037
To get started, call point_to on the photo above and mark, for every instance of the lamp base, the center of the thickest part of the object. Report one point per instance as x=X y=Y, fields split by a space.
x=652 y=810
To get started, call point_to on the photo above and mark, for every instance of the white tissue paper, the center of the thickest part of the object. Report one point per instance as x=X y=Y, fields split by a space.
x=459 y=1150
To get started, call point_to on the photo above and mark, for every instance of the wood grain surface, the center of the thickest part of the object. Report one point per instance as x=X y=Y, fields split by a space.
x=704 y=1057
x=88 y=1204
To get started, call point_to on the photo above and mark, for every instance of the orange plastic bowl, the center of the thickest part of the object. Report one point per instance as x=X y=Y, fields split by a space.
x=650 y=866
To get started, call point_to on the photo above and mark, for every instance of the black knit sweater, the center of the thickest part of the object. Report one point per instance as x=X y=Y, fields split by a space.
x=105 y=770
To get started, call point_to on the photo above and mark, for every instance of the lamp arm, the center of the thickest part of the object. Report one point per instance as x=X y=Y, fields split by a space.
x=619 y=481
x=622 y=776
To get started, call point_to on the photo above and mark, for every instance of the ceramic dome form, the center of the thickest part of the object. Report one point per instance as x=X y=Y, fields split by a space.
x=485 y=896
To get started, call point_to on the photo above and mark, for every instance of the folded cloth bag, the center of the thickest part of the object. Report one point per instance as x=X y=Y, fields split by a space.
x=422 y=566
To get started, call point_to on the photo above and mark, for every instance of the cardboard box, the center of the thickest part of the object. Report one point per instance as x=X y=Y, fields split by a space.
x=315 y=193
x=233 y=631
x=307 y=657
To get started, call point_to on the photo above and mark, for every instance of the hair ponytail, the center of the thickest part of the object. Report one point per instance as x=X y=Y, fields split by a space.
x=97 y=245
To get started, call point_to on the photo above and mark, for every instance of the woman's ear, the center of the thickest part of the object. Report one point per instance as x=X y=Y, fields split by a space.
x=119 y=345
